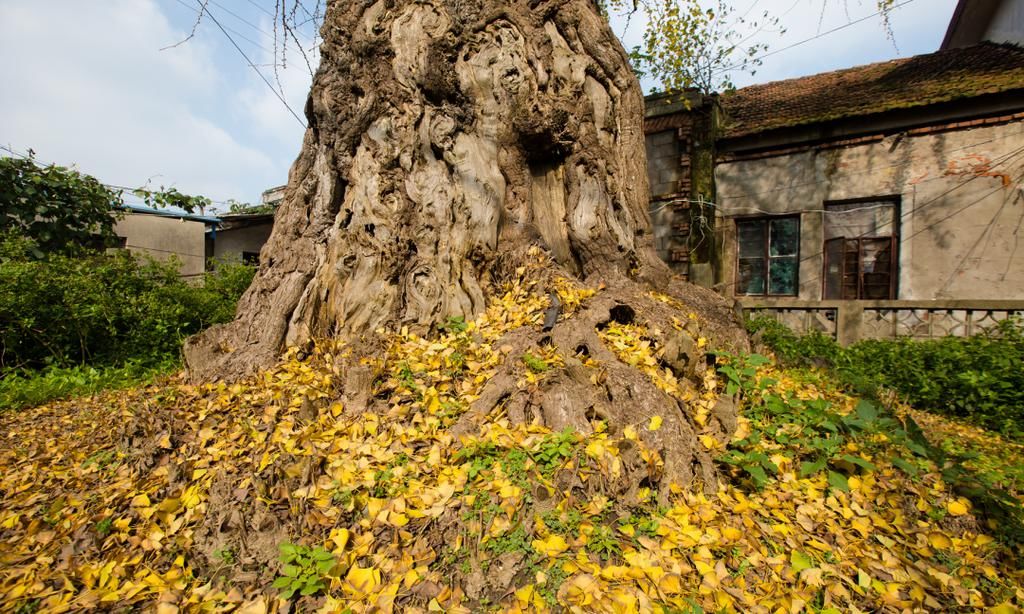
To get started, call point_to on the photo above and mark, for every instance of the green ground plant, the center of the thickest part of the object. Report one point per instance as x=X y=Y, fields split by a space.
x=811 y=433
x=976 y=380
x=26 y=388
x=303 y=570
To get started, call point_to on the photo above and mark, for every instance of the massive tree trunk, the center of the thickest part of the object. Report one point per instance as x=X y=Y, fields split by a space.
x=445 y=138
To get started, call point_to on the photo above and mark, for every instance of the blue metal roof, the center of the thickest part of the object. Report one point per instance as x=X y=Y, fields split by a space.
x=206 y=219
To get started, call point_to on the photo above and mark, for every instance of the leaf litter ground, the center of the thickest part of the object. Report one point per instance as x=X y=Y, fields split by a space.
x=229 y=498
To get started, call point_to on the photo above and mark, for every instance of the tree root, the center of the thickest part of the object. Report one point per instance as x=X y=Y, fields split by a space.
x=593 y=385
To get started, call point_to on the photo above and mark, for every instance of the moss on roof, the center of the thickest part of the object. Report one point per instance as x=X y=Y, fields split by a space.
x=943 y=76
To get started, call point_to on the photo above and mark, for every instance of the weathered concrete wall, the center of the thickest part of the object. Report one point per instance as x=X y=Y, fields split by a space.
x=163 y=237
x=680 y=168
x=663 y=169
x=273 y=196
x=961 y=207
x=671 y=227
x=670 y=187
x=230 y=244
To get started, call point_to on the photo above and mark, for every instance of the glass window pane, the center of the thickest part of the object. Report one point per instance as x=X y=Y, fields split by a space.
x=750 y=235
x=783 y=275
x=751 y=276
x=785 y=237
x=877 y=255
x=833 y=269
x=865 y=219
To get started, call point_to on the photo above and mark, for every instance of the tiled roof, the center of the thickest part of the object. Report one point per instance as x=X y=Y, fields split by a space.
x=942 y=76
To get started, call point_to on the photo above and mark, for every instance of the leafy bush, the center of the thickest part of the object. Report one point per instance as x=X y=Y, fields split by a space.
x=58 y=207
x=811 y=349
x=979 y=378
x=103 y=309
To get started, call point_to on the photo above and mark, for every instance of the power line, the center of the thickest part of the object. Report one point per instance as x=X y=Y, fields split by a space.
x=807 y=40
x=253 y=66
x=164 y=251
x=236 y=32
x=981 y=199
x=918 y=208
x=266 y=35
x=789 y=187
x=970 y=252
x=239 y=17
x=261 y=7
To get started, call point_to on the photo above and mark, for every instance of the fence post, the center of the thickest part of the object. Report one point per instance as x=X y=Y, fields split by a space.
x=849 y=322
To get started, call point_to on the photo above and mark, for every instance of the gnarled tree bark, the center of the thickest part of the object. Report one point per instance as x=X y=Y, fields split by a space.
x=445 y=137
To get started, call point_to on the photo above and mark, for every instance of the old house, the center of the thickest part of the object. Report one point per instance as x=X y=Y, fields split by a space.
x=161 y=235
x=974 y=21
x=195 y=241
x=241 y=236
x=878 y=200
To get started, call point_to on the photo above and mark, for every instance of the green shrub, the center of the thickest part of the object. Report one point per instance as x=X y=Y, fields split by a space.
x=811 y=349
x=979 y=378
x=60 y=208
x=103 y=309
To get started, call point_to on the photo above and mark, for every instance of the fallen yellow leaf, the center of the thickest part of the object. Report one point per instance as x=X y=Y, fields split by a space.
x=957 y=507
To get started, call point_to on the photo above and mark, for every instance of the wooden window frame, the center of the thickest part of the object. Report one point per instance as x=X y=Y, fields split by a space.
x=861 y=294
x=768 y=219
x=894 y=251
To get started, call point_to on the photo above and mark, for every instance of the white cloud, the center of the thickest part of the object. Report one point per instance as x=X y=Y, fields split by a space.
x=86 y=83
x=281 y=132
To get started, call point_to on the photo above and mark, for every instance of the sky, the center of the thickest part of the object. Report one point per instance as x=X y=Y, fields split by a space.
x=99 y=84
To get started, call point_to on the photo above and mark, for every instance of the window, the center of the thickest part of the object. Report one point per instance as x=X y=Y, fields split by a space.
x=861 y=246
x=768 y=256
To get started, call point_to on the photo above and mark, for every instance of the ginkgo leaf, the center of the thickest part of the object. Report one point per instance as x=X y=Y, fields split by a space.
x=939 y=540
x=812 y=506
x=581 y=591
x=800 y=561
x=957 y=507
x=552 y=546
x=732 y=533
x=361 y=580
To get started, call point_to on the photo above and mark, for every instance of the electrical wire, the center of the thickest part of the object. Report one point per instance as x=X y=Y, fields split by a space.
x=807 y=40
x=228 y=28
x=253 y=66
x=870 y=170
x=917 y=209
x=266 y=35
x=261 y=7
x=163 y=251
